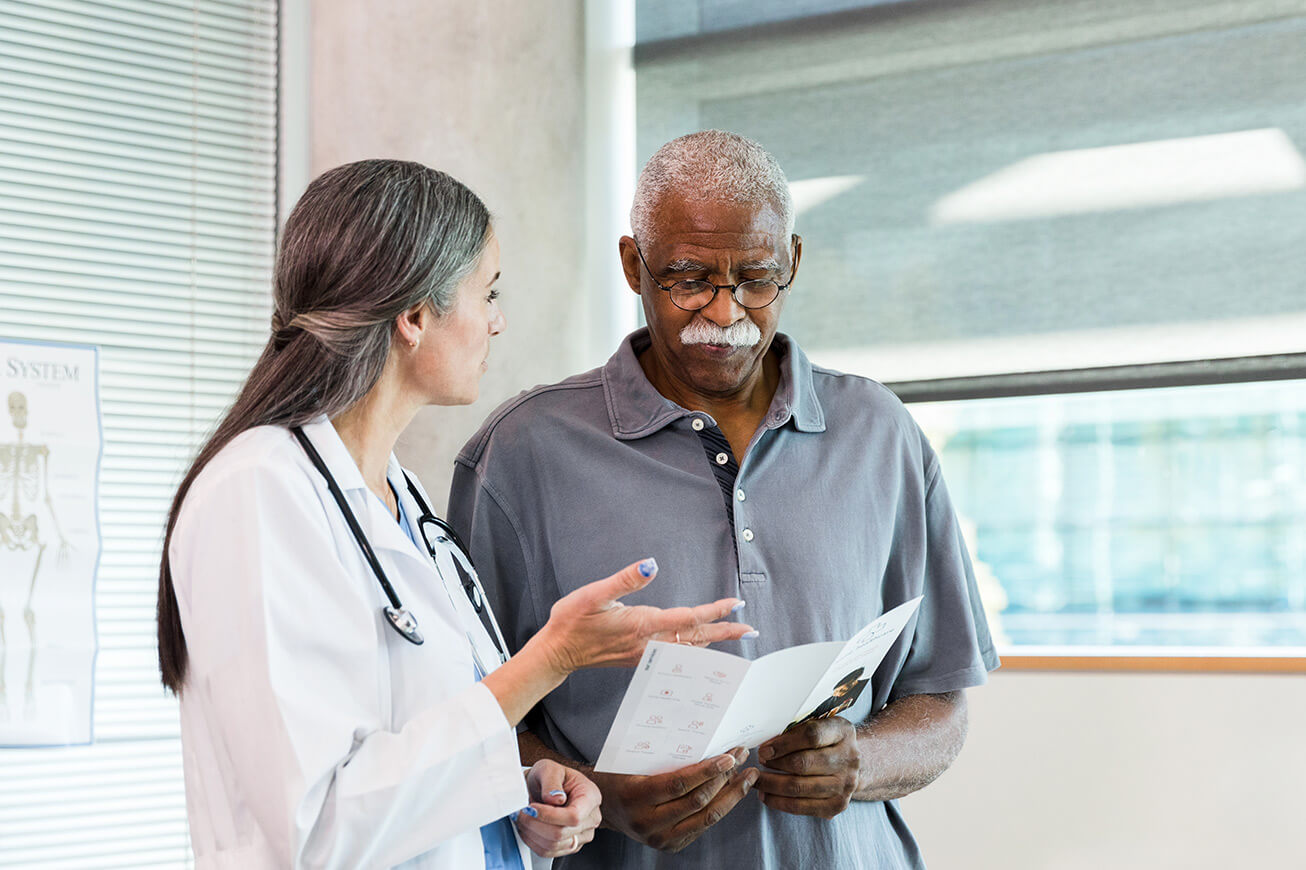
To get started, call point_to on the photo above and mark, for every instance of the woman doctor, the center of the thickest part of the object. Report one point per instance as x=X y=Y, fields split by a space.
x=343 y=703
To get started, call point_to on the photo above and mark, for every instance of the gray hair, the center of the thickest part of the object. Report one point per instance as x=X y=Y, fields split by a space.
x=710 y=165
x=366 y=242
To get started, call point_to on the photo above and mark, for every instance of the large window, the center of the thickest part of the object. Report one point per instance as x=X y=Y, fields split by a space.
x=1148 y=518
x=137 y=213
x=1072 y=235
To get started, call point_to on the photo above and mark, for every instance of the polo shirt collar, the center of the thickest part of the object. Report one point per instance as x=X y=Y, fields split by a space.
x=636 y=409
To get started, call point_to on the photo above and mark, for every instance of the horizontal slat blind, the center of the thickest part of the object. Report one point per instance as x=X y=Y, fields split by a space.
x=137 y=213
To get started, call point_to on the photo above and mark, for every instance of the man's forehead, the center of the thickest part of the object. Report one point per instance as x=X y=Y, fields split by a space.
x=712 y=223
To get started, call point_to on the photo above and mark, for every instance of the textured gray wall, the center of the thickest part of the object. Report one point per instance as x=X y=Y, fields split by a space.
x=494 y=94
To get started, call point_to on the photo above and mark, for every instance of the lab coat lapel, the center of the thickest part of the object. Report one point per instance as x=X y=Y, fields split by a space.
x=407 y=566
x=395 y=474
x=478 y=631
x=383 y=532
x=336 y=456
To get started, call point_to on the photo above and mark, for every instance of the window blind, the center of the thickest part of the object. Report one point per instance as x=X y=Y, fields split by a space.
x=137 y=213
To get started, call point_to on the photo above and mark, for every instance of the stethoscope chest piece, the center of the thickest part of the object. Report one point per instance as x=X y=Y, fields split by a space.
x=405 y=623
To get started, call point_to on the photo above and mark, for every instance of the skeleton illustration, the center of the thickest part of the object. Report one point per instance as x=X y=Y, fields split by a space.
x=24 y=481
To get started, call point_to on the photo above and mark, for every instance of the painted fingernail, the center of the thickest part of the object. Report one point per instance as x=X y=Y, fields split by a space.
x=557 y=792
x=648 y=567
x=749 y=635
x=532 y=812
x=738 y=607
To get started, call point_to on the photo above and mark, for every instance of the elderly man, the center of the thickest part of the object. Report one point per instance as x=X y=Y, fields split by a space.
x=710 y=442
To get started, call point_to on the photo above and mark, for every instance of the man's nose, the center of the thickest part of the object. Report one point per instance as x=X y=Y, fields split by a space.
x=723 y=310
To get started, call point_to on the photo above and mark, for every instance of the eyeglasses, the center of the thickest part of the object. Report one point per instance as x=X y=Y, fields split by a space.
x=694 y=294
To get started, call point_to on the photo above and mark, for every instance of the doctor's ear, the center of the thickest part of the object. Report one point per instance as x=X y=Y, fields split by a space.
x=412 y=324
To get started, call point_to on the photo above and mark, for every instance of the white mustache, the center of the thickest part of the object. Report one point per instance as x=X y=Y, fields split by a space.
x=741 y=333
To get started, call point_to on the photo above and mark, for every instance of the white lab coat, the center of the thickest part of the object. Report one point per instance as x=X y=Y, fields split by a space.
x=313 y=735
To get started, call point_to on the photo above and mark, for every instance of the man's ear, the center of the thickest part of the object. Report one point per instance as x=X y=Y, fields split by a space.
x=796 y=243
x=630 y=262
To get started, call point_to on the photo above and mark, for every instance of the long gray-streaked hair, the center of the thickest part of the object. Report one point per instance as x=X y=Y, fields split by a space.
x=710 y=165
x=366 y=242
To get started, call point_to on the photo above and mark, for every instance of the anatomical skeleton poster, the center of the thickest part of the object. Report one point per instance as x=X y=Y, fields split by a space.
x=50 y=445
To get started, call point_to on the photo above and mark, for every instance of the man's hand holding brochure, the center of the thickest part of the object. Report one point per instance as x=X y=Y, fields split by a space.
x=685 y=703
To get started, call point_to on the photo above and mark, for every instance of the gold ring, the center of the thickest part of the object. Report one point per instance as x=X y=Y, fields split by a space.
x=677 y=637
x=575 y=843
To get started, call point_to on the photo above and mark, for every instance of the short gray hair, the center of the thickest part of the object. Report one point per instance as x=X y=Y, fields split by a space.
x=710 y=165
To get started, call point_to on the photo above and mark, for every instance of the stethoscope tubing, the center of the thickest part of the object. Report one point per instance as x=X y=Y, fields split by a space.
x=399 y=617
x=350 y=519
x=471 y=581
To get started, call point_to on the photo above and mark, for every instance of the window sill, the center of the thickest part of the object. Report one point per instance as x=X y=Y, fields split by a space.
x=1156 y=660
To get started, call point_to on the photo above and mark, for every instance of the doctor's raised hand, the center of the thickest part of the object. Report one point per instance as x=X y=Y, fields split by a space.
x=591 y=628
x=346 y=696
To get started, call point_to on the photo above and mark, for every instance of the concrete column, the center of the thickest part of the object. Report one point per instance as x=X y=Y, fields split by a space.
x=494 y=94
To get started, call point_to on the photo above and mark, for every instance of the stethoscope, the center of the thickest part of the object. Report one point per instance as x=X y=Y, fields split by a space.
x=399 y=617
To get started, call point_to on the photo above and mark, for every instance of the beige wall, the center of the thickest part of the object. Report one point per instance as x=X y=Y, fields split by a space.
x=1136 y=771
x=494 y=94
x=1061 y=772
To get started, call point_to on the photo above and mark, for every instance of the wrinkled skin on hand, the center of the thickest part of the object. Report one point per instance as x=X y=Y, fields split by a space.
x=671 y=810
x=811 y=769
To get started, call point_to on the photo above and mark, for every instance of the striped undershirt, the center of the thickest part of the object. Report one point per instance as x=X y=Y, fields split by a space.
x=715 y=445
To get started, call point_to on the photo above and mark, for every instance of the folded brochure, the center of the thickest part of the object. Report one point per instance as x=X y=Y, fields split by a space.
x=686 y=703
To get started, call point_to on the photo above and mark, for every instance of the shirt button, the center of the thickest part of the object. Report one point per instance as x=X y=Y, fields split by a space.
x=697 y=424
x=747 y=534
x=722 y=459
x=739 y=494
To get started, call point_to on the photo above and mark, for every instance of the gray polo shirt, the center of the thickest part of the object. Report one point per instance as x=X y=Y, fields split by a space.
x=840 y=513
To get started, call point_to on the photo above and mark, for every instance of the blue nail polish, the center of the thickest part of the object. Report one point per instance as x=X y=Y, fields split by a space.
x=514 y=816
x=648 y=567
x=738 y=607
x=532 y=812
x=749 y=635
x=557 y=792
